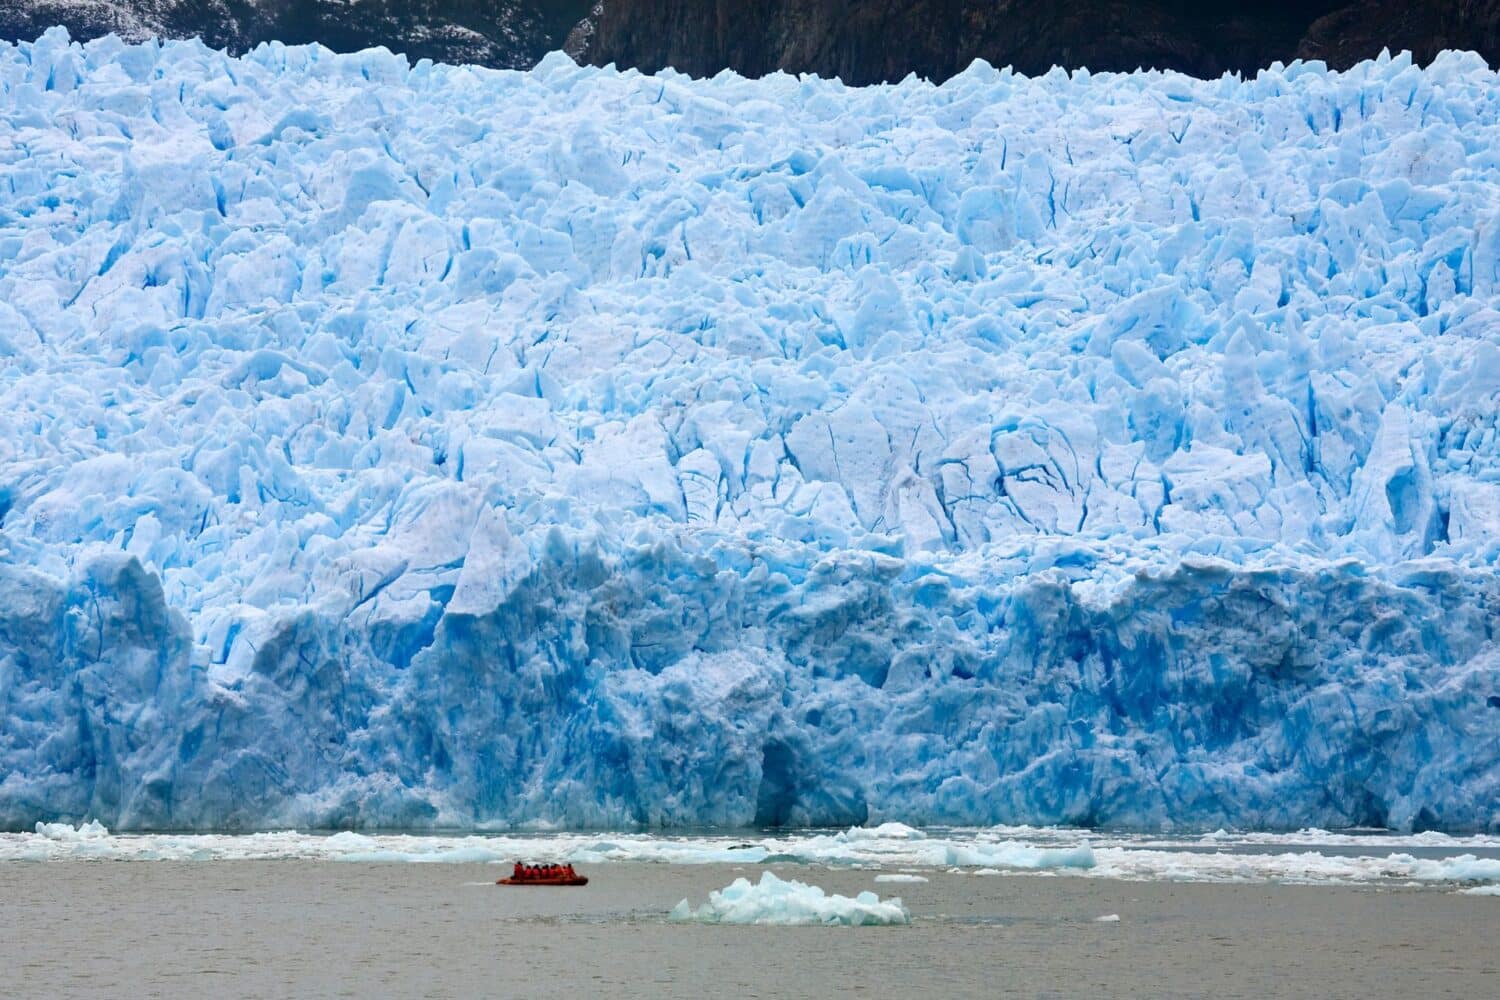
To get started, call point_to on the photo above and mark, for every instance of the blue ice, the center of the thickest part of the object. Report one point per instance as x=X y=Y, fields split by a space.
x=422 y=446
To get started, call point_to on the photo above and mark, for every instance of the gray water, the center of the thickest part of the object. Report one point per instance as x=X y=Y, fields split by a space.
x=315 y=929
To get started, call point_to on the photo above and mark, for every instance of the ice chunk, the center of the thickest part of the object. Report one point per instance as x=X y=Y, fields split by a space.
x=1015 y=855
x=773 y=901
x=885 y=831
x=1464 y=868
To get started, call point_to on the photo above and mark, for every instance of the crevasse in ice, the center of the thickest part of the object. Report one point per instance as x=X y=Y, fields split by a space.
x=420 y=446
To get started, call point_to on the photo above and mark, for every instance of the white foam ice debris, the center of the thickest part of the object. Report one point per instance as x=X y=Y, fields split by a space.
x=422 y=447
x=900 y=877
x=847 y=849
x=67 y=833
x=1482 y=890
x=1310 y=867
x=1108 y=918
x=1236 y=840
x=774 y=901
x=1117 y=859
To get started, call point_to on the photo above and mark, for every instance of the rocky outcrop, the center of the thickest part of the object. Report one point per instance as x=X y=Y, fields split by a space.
x=869 y=41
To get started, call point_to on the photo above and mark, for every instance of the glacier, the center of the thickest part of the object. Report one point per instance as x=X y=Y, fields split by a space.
x=393 y=446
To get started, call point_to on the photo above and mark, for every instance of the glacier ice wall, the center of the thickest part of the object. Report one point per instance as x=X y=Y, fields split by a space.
x=422 y=446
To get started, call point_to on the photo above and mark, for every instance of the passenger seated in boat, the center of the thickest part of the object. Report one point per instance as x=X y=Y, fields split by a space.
x=519 y=871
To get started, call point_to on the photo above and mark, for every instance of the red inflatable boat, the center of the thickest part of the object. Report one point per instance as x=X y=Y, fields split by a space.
x=543 y=875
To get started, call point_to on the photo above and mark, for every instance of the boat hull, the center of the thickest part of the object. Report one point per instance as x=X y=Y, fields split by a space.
x=579 y=880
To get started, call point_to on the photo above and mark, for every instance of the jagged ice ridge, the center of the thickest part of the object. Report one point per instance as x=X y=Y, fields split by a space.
x=423 y=446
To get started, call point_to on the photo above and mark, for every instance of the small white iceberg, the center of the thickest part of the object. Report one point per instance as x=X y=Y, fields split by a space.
x=774 y=901
x=900 y=877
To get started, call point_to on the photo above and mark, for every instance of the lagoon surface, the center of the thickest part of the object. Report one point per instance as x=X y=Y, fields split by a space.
x=324 y=928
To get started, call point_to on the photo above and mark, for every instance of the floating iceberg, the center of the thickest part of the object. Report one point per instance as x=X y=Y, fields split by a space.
x=773 y=901
x=415 y=446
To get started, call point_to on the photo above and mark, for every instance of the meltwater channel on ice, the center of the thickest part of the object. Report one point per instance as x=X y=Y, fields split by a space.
x=427 y=447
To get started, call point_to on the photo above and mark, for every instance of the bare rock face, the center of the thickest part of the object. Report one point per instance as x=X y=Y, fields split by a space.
x=507 y=34
x=868 y=41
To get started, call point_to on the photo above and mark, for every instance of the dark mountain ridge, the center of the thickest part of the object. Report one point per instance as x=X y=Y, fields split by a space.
x=863 y=41
x=869 y=41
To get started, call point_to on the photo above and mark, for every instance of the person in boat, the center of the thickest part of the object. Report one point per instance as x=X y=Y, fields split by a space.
x=569 y=872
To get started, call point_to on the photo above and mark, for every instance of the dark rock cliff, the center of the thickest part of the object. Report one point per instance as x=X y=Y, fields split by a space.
x=498 y=33
x=1360 y=30
x=868 y=41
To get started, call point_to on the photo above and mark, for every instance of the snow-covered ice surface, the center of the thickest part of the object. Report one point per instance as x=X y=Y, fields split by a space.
x=424 y=447
x=776 y=901
x=1308 y=857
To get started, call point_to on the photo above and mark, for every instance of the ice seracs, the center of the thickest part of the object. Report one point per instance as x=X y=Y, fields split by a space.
x=418 y=446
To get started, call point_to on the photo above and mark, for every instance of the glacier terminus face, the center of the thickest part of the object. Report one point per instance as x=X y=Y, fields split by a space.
x=393 y=446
